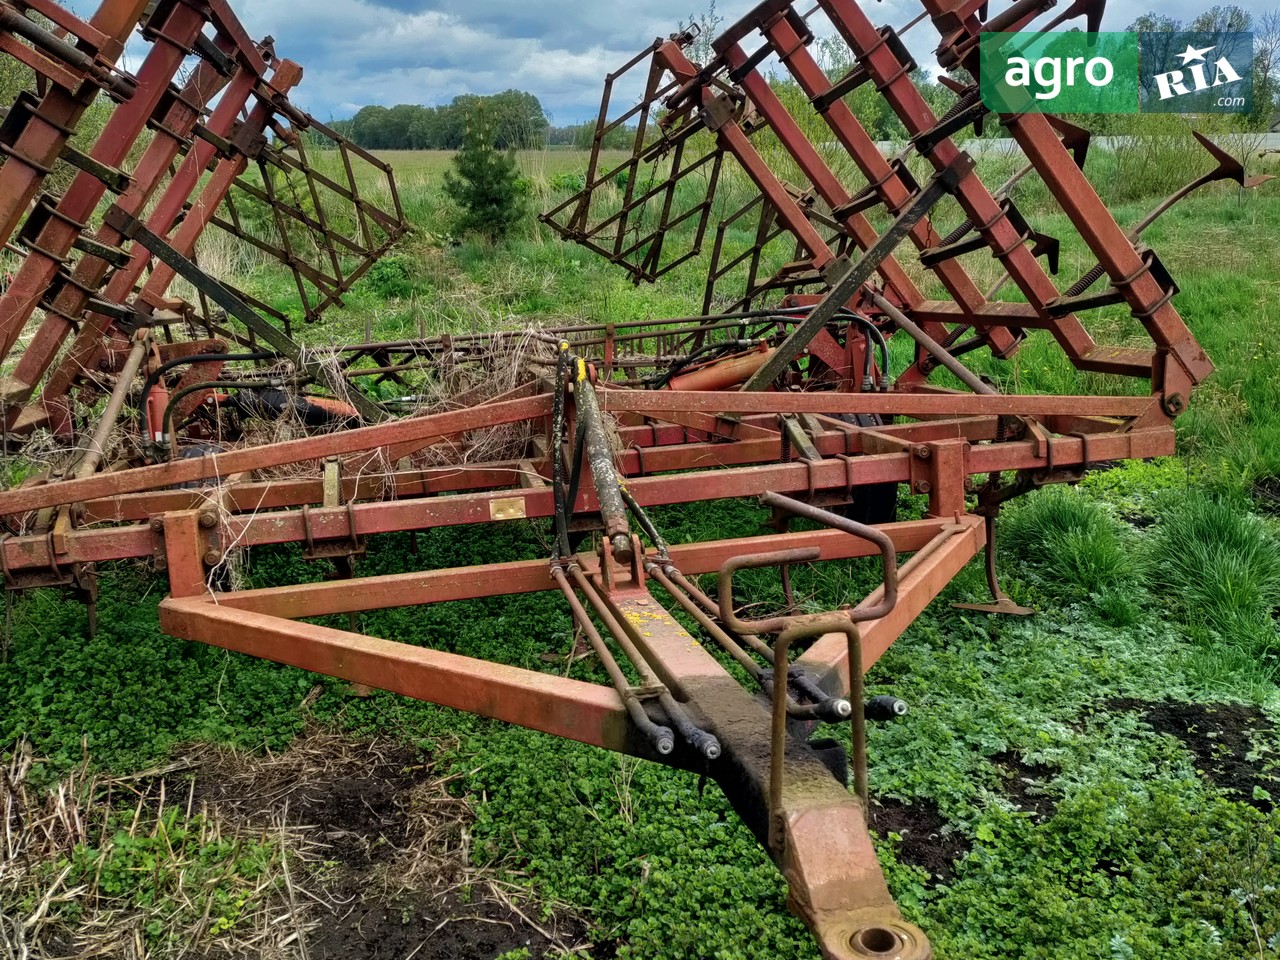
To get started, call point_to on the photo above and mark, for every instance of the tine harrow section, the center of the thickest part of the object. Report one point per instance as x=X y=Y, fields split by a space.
x=802 y=203
x=216 y=142
x=818 y=250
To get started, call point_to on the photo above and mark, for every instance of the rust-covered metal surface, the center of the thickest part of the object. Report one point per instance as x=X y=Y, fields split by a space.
x=201 y=136
x=782 y=388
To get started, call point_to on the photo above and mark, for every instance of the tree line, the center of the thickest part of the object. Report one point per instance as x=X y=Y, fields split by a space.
x=516 y=119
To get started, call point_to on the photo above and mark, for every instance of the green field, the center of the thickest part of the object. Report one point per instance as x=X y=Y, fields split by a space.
x=1095 y=781
x=412 y=165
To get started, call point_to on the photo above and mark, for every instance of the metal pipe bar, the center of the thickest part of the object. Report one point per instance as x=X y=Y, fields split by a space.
x=88 y=465
x=830 y=709
x=854 y=276
x=661 y=737
x=373 y=518
x=586 y=712
x=896 y=404
x=222 y=464
x=932 y=347
x=300 y=601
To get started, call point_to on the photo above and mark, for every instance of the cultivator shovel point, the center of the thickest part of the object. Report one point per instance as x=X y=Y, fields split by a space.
x=783 y=388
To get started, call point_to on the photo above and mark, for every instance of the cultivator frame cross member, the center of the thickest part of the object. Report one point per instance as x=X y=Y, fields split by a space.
x=795 y=403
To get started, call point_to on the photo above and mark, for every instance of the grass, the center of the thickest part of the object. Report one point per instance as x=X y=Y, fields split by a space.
x=1220 y=567
x=416 y=165
x=1154 y=582
x=1074 y=544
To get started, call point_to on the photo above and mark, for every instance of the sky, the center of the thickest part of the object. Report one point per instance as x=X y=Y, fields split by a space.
x=359 y=52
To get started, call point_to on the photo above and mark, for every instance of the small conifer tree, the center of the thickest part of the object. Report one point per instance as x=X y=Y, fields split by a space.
x=484 y=183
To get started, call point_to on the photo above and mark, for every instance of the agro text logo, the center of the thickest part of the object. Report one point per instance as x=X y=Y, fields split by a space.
x=1066 y=72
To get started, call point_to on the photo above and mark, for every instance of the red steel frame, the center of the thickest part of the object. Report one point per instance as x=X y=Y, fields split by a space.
x=820 y=841
x=802 y=426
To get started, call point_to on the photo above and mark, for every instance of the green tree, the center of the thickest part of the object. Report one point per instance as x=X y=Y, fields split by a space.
x=518 y=119
x=484 y=182
x=370 y=127
x=400 y=121
x=621 y=137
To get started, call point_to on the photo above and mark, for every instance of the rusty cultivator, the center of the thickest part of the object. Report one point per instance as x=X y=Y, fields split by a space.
x=827 y=370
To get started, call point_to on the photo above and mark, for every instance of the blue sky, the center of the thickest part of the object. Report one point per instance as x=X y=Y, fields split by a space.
x=357 y=52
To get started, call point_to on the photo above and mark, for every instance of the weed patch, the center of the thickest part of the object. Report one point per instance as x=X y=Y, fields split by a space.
x=1078 y=550
x=1219 y=567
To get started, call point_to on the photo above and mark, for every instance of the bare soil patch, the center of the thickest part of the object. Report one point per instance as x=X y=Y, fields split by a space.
x=391 y=865
x=336 y=848
x=926 y=843
x=1025 y=784
x=1220 y=736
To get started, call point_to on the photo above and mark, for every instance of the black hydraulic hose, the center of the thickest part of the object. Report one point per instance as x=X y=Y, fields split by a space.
x=808 y=687
x=705 y=743
x=661 y=737
x=702 y=741
x=871 y=330
x=824 y=707
x=832 y=708
x=659 y=381
x=642 y=518
x=154 y=377
x=575 y=477
x=166 y=423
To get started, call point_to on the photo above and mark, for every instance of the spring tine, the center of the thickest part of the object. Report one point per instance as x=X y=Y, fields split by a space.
x=1092 y=10
x=1228 y=168
x=1075 y=139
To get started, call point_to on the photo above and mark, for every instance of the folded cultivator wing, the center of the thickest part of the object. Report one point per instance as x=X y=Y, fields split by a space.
x=100 y=227
x=840 y=284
